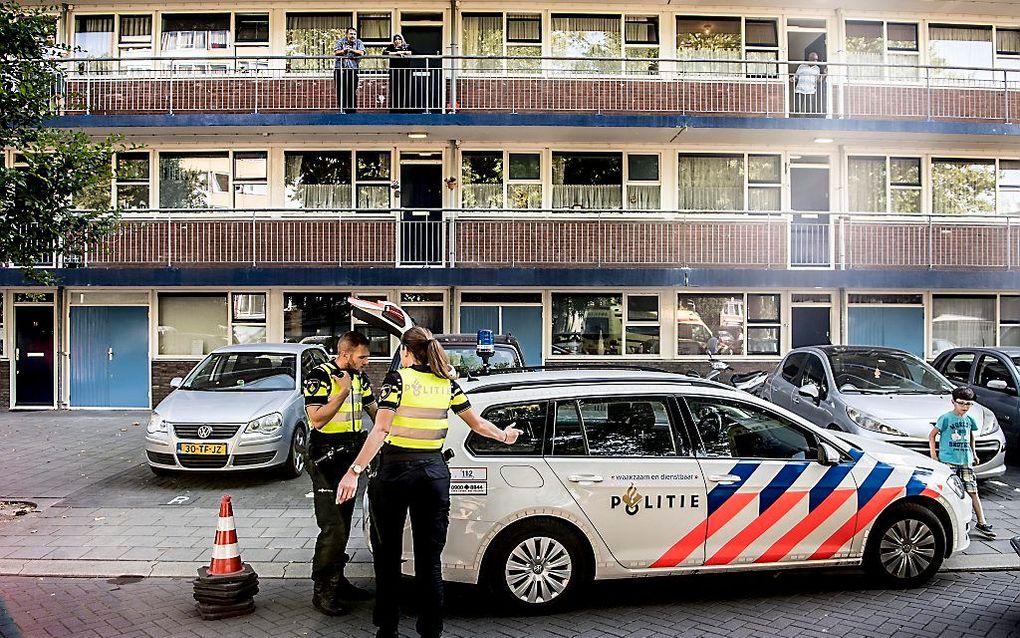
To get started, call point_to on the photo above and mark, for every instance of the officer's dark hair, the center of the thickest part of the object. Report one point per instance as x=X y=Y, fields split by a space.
x=426 y=350
x=964 y=393
x=350 y=341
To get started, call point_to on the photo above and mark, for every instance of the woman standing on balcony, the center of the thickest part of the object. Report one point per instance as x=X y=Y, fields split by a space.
x=399 y=52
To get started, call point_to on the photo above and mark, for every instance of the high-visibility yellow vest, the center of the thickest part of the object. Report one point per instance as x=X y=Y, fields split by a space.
x=422 y=416
x=348 y=417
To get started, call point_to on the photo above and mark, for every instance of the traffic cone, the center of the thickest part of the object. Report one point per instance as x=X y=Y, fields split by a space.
x=226 y=557
x=227 y=587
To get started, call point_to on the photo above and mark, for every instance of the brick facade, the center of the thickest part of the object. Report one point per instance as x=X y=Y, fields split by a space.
x=162 y=372
x=5 y=384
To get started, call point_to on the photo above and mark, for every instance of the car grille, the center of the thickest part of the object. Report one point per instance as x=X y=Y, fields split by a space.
x=986 y=450
x=253 y=459
x=160 y=458
x=219 y=430
x=202 y=461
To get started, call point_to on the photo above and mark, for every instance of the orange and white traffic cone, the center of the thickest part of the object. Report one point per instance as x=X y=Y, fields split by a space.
x=226 y=557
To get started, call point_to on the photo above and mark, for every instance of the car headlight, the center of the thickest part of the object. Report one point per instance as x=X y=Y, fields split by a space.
x=870 y=423
x=957 y=485
x=156 y=424
x=989 y=424
x=265 y=424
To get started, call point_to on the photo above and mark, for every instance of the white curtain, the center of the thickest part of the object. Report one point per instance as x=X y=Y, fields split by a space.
x=587 y=197
x=483 y=35
x=963 y=322
x=644 y=196
x=482 y=196
x=711 y=183
x=866 y=184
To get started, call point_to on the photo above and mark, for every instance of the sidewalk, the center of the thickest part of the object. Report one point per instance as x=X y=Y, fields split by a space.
x=103 y=513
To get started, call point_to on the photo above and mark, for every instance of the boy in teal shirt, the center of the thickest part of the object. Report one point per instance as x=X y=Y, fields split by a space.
x=956 y=432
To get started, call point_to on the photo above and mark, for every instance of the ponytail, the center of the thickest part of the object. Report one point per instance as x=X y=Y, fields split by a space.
x=428 y=351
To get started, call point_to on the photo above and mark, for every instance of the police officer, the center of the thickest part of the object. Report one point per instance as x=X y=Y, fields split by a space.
x=410 y=430
x=336 y=393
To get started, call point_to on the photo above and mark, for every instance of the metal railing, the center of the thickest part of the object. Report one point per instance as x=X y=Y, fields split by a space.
x=447 y=84
x=558 y=238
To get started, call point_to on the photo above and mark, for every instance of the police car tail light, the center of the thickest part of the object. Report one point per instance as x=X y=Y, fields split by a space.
x=870 y=423
x=156 y=424
x=265 y=424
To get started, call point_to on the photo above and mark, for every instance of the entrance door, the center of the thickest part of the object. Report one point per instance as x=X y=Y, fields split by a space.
x=809 y=232
x=109 y=363
x=426 y=81
x=33 y=359
x=806 y=48
x=811 y=326
x=421 y=228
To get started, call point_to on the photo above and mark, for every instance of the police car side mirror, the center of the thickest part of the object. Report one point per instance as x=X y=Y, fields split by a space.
x=827 y=455
x=176 y=382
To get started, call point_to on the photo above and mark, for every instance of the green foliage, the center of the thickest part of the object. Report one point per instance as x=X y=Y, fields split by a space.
x=58 y=200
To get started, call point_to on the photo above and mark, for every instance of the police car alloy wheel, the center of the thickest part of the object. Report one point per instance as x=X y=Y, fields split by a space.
x=537 y=566
x=906 y=547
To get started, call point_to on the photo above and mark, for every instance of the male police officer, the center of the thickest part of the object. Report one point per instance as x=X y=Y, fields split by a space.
x=335 y=394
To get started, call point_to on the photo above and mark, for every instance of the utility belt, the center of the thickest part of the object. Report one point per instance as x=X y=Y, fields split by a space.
x=394 y=454
x=323 y=448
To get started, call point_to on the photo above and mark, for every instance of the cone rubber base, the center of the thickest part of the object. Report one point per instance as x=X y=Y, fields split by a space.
x=245 y=573
x=217 y=612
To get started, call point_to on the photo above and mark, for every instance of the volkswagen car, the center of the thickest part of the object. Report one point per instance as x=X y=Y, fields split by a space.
x=240 y=408
x=880 y=393
x=631 y=474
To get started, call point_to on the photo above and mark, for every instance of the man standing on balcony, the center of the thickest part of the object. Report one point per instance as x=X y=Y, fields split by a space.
x=806 y=83
x=349 y=50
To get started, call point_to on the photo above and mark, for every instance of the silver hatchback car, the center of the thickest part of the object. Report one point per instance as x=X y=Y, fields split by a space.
x=880 y=393
x=240 y=408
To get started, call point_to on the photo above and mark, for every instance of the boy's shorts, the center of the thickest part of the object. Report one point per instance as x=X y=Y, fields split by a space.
x=966 y=474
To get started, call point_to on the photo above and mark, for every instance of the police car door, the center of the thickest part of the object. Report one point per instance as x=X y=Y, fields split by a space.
x=770 y=499
x=629 y=467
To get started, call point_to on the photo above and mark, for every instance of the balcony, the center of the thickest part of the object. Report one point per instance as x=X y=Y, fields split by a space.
x=504 y=85
x=559 y=239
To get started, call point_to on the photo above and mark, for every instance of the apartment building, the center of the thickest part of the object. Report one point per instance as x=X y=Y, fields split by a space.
x=637 y=182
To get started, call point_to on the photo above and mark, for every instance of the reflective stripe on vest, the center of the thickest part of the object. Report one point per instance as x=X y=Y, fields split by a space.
x=422 y=418
x=348 y=417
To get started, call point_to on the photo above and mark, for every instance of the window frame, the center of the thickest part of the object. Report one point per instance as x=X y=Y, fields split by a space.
x=891 y=187
x=119 y=182
x=887 y=51
x=747 y=184
x=543 y=445
x=742 y=296
x=681 y=438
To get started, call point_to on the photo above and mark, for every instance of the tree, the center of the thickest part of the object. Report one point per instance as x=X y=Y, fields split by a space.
x=56 y=200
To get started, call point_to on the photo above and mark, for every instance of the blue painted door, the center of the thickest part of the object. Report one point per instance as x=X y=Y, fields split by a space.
x=893 y=327
x=109 y=357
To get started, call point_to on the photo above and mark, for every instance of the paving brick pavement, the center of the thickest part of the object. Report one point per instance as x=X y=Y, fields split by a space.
x=730 y=606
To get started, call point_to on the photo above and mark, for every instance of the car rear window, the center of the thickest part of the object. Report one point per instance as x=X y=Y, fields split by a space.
x=527 y=417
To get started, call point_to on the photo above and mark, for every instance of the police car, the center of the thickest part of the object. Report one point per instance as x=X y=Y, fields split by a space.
x=624 y=474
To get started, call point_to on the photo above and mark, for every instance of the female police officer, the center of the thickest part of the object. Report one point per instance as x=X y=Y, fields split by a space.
x=410 y=429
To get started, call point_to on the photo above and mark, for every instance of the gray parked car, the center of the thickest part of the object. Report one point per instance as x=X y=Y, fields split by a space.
x=240 y=408
x=881 y=393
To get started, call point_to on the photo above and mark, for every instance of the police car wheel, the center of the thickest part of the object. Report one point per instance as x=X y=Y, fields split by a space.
x=295 y=464
x=906 y=546
x=537 y=567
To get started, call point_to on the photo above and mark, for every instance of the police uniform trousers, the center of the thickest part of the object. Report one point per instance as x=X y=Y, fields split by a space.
x=334 y=520
x=417 y=483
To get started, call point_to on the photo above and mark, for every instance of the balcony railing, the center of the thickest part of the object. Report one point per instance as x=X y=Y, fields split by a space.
x=448 y=84
x=563 y=239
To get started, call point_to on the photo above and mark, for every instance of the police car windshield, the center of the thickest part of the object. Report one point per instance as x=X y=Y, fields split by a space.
x=243 y=371
x=881 y=372
x=465 y=360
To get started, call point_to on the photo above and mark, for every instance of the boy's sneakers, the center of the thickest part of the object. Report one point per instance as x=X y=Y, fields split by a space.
x=985 y=530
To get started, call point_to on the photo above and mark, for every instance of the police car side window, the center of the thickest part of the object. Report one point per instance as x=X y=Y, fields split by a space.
x=530 y=418
x=627 y=427
x=568 y=435
x=731 y=429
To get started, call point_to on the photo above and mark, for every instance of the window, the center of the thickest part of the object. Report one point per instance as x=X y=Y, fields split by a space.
x=891 y=47
x=251 y=188
x=792 y=366
x=134 y=40
x=482 y=173
x=314 y=34
x=194 y=180
x=428 y=309
x=962 y=322
x=375 y=31
x=642 y=326
x=248 y=318
x=641 y=42
x=372 y=179
x=310 y=359
x=1009 y=187
x=587 y=181
x=568 y=435
x=524 y=40
x=320 y=318
x=524 y=182
x=761 y=43
x=644 y=189
x=630 y=427
x=318 y=179
x=992 y=369
x=251 y=28
x=1007 y=49
x=718 y=182
x=884 y=184
x=94 y=36
x=963 y=186
x=191 y=324
x=764 y=182
x=715 y=40
x=1009 y=320
x=516 y=35
x=586 y=38
x=195 y=33
x=730 y=429
x=530 y=418
x=587 y=324
x=890 y=320
x=483 y=36
x=715 y=324
x=958 y=367
x=250 y=371
x=953 y=45
x=132 y=180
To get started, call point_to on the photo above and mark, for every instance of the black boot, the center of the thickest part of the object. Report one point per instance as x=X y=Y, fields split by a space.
x=345 y=590
x=324 y=599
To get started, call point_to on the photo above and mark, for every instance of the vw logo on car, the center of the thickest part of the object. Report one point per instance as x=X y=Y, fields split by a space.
x=204 y=432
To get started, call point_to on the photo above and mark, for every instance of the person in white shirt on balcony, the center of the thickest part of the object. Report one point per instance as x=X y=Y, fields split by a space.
x=806 y=83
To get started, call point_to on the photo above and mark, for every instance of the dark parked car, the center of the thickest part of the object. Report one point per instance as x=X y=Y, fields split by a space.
x=993 y=374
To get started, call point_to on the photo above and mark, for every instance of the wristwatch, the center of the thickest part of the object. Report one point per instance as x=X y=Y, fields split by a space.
x=357 y=469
